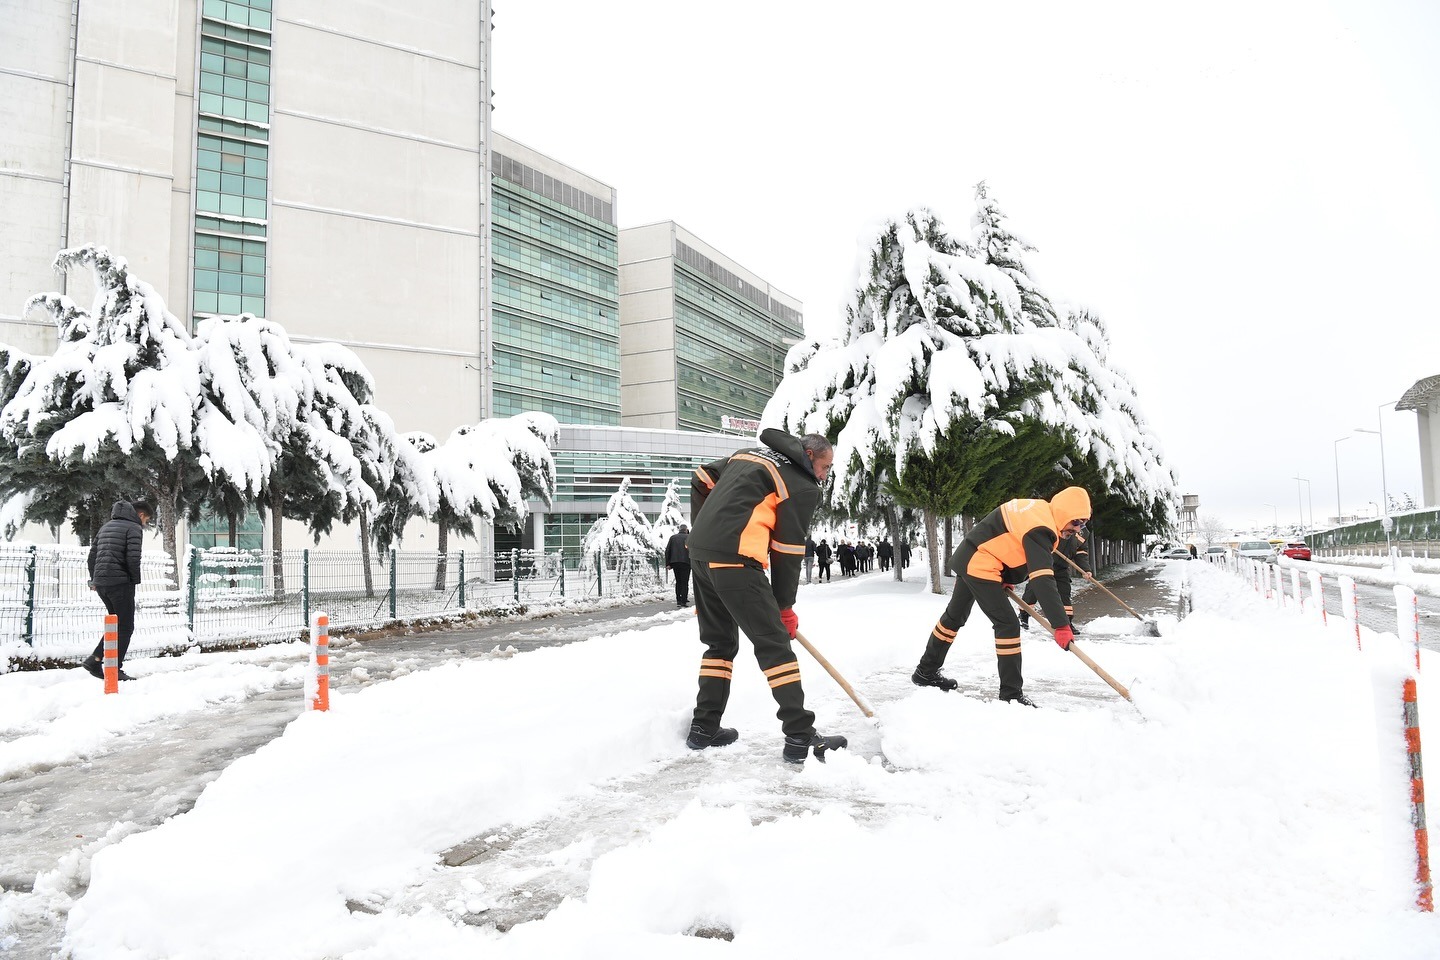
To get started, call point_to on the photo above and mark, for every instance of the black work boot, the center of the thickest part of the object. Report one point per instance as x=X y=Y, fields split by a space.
x=797 y=747
x=700 y=739
x=92 y=667
x=937 y=679
x=1024 y=620
x=1020 y=698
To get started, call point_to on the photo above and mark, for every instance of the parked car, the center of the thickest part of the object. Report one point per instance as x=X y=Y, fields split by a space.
x=1296 y=551
x=1177 y=553
x=1216 y=553
x=1256 y=550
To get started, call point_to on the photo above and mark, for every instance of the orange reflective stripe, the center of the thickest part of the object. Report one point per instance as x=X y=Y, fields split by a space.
x=940 y=636
x=716 y=566
x=792 y=665
x=1049 y=572
x=796 y=548
x=943 y=630
x=705 y=478
x=780 y=490
x=1007 y=648
x=717 y=674
x=709 y=662
x=755 y=538
x=781 y=681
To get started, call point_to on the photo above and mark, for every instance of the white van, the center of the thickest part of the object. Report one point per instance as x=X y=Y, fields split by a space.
x=1256 y=550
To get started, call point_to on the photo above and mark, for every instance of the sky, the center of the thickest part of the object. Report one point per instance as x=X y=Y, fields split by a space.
x=1248 y=193
x=1198 y=821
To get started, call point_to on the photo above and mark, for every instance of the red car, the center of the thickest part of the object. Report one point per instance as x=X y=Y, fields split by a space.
x=1296 y=551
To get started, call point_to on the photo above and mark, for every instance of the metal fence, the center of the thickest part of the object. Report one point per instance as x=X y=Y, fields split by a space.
x=228 y=598
x=1414 y=534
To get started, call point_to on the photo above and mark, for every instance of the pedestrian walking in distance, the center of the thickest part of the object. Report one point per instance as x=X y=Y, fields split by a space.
x=750 y=511
x=1014 y=539
x=677 y=558
x=809 y=560
x=822 y=553
x=114 y=565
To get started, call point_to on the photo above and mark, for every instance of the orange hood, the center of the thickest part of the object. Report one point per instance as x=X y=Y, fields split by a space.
x=1070 y=504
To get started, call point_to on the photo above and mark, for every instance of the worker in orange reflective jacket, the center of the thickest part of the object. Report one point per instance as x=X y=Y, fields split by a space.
x=750 y=511
x=1014 y=539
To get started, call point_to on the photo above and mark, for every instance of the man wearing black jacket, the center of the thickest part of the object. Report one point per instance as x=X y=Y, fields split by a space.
x=677 y=558
x=750 y=511
x=114 y=564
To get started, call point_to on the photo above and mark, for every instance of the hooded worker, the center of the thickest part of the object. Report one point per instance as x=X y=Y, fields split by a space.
x=1014 y=541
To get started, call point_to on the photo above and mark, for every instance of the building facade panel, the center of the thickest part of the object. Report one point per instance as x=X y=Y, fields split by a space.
x=397 y=91
x=411 y=25
x=141 y=35
x=124 y=119
x=128 y=213
x=402 y=179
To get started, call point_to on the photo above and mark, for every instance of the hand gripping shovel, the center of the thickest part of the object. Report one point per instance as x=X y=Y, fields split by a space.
x=1150 y=627
x=1039 y=618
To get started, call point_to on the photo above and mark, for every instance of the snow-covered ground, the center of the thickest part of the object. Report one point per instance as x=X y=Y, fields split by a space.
x=1253 y=802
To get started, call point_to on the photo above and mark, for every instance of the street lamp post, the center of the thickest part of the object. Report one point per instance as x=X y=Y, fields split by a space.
x=1338 y=512
x=1301 y=503
x=1385 y=521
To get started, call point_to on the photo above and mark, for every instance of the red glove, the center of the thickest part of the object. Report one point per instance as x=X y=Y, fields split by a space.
x=1063 y=636
x=792 y=622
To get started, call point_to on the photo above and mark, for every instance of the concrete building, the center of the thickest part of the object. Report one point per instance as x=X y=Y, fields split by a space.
x=556 y=298
x=1424 y=398
x=202 y=142
x=702 y=339
x=330 y=166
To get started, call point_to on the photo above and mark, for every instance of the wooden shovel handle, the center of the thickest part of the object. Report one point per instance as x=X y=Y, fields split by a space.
x=1100 y=585
x=1114 y=684
x=835 y=674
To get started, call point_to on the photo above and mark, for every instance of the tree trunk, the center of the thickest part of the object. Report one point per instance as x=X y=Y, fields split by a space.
x=234 y=545
x=166 y=505
x=365 y=552
x=442 y=541
x=949 y=537
x=932 y=549
x=892 y=527
x=277 y=540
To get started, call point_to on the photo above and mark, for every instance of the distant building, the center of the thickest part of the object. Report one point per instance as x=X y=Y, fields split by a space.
x=702 y=339
x=1424 y=398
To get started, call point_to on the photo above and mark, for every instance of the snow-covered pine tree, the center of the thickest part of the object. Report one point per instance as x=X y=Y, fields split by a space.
x=623 y=531
x=672 y=514
x=938 y=369
x=992 y=239
x=120 y=409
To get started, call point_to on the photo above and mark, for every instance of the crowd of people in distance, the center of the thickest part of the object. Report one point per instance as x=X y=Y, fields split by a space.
x=852 y=558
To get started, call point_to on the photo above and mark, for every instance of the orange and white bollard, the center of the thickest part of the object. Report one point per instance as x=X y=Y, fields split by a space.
x=1425 y=894
x=320 y=635
x=112 y=653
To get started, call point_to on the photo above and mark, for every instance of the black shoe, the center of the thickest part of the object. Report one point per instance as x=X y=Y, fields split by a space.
x=1074 y=627
x=92 y=667
x=699 y=739
x=124 y=675
x=1024 y=621
x=1021 y=699
x=937 y=679
x=797 y=748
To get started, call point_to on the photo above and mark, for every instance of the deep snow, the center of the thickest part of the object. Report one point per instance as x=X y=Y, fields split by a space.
x=1252 y=803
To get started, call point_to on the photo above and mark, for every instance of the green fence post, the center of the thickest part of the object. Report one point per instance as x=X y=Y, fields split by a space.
x=599 y=575
x=515 y=573
x=305 y=586
x=462 y=579
x=562 y=576
x=394 y=588
x=30 y=564
x=193 y=588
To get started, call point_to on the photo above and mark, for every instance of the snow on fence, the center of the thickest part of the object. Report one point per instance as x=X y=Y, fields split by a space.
x=227 y=597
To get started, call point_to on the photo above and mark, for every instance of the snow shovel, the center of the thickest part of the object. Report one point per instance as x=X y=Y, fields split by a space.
x=1039 y=618
x=1149 y=627
x=835 y=674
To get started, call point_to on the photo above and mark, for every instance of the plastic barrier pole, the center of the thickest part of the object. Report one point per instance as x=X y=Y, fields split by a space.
x=320 y=634
x=1425 y=894
x=1407 y=618
x=112 y=653
x=1295 y=584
